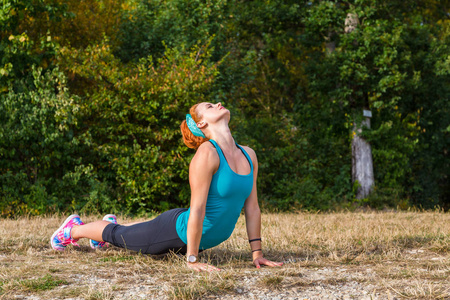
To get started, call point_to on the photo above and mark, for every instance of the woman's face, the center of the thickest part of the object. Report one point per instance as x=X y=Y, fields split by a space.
x=211 y=113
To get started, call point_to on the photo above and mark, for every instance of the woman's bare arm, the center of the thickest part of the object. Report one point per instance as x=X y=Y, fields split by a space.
x=203 y=166
x=253 y=218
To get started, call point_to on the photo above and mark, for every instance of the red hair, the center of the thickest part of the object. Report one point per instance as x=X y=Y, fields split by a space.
x=189 y=138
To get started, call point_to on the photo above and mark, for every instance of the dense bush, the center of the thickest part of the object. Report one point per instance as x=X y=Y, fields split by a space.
x=37 y=144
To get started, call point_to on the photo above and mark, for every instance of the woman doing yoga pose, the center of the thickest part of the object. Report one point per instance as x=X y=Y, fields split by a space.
x=222 y=177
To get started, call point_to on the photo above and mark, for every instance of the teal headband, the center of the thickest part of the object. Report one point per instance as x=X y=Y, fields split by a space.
x=193 y=127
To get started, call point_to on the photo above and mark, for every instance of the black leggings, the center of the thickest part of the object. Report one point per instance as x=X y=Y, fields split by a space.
x=157 y=236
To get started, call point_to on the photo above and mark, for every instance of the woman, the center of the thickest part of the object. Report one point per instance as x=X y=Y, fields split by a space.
x=222 y=176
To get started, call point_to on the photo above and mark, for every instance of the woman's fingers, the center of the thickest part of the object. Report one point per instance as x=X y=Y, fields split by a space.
x=263 y=261
x=275 y=264
x=257 y=264
x=210 y=268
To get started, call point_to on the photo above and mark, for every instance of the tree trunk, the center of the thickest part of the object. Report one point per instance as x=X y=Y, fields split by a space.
x=362 y=164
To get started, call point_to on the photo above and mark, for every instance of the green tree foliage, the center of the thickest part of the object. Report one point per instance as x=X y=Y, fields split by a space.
x=131 y=118
x=18 y=52
x=153 y=26
x=390 y=64
x=32 y=30
x=295 y=82
x=278 y=72
x=263 y=80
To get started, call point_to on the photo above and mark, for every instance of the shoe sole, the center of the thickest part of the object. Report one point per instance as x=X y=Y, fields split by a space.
x=61 y=227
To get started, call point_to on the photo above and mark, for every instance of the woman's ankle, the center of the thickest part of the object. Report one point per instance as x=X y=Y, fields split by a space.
x=73 y=232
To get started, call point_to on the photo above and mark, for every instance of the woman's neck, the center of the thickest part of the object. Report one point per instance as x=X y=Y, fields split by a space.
x=222 y=136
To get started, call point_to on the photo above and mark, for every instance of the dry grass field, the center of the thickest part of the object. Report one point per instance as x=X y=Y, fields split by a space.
x=390 y=255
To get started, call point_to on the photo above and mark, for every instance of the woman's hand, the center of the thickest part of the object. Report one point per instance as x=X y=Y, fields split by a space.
x=199 y=267
x=262 y=261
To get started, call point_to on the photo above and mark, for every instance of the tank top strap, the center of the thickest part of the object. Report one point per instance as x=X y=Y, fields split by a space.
x=219 y=151
x=247 y=156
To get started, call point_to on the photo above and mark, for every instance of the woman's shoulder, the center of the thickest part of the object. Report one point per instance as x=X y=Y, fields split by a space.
x=206 y=154
x=249 y=150
x=207 y=148
x=250 y=153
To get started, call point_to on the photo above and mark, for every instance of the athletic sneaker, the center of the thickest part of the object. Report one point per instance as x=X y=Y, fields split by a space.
x=63 y=237
x=98 y=245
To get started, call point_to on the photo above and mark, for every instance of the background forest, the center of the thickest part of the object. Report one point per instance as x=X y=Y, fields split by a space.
x=92 y=94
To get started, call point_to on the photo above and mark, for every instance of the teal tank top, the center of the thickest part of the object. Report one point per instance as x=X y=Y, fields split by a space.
x=226 y=197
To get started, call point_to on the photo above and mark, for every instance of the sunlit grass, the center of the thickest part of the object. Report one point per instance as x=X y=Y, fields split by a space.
x=402 y=254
